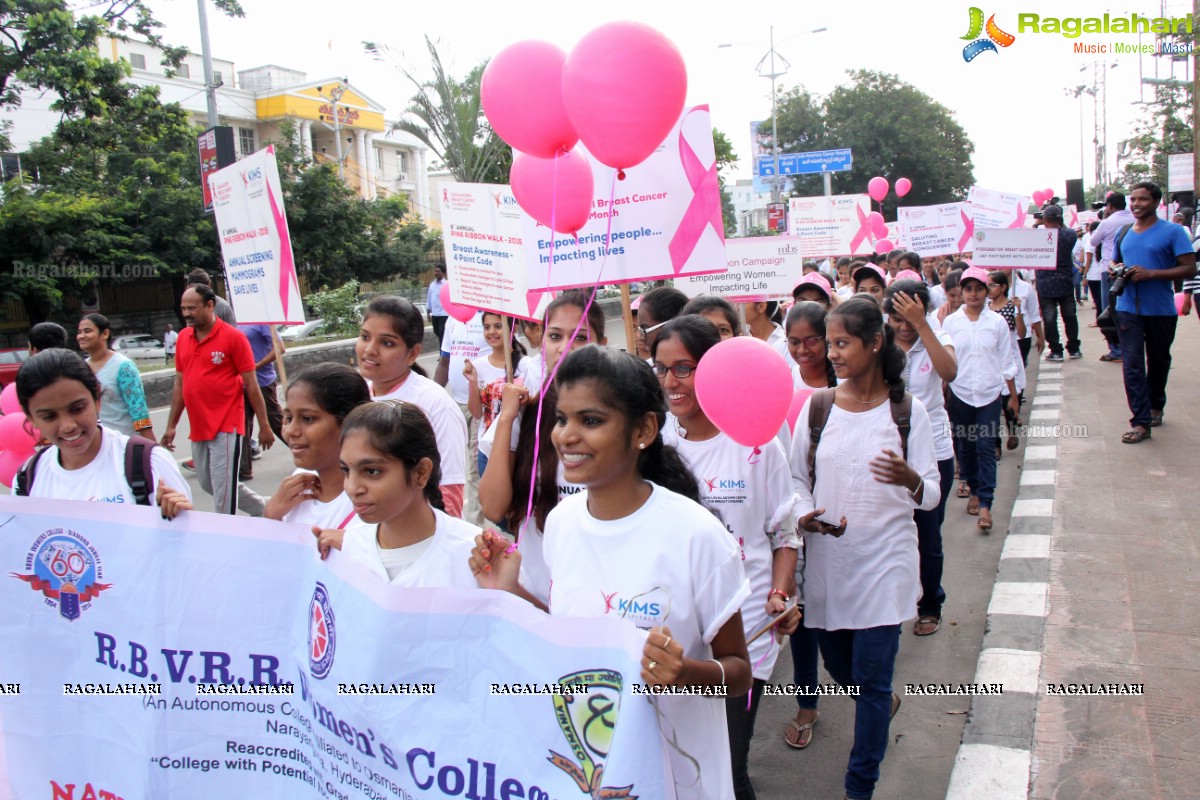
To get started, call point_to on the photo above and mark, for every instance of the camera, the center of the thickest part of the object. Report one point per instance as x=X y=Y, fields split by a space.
x=1037 y=215
x=1120 y=277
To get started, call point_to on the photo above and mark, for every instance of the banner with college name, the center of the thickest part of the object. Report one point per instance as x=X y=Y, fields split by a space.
x=199 y=658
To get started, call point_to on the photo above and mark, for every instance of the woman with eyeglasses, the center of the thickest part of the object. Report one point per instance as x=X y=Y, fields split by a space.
x=658 y=306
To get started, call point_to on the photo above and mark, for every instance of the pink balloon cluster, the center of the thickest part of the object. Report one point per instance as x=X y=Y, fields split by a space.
x=1043 y=196
x=620 y=92
x=16 y=437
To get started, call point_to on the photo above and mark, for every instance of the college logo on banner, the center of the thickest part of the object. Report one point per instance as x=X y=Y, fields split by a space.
x=322 y=633
x=66 y=569
x=588 y=720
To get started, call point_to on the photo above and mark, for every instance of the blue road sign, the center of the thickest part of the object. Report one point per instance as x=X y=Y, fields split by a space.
x=806 y=163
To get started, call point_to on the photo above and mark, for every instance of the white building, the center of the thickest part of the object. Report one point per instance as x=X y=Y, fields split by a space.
x=750 y=206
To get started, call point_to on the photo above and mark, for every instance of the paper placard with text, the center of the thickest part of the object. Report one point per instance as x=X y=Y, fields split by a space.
x=665 y=218
x=992 y=209
x=485 y=257
x=260 y=269
x=832 y=226
x=935 y=230
x=760 y=268
x=1018 y=248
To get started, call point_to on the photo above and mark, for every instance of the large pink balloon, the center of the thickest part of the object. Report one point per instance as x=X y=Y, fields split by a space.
x=885 y=246
x=878 y=224
x=798 y=400
x=750 y=418
x=10 y=462
x=1047 y=194
x=624 y=86
x=459 y=312
x=523 y=98
x=877 y=187
x=903 y=185
x=14 y=435
x=1039 y=198
x=557 y=192
x=8 y=399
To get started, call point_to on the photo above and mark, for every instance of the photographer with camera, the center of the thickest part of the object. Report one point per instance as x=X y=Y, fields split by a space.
x=1147 y=257
x=1056 y=289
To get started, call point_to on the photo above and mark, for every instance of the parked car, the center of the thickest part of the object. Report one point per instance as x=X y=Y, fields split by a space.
x=140 y=346
x=11 y=359
x=291 y=333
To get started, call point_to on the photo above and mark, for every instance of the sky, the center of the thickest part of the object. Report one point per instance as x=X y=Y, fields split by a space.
x=1012 y=103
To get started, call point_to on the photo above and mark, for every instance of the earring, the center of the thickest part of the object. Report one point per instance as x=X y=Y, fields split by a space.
x=642 y=446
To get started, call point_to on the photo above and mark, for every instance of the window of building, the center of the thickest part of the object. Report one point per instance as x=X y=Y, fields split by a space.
x=246 y=140
x=379 y=160
x=137 y=60
x=402 y=163
x=185 y=71
x=218 y=80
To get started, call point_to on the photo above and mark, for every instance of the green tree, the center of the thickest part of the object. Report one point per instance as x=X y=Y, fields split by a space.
x=449 y=119
x=1166 y=129
x=894 y=130
x=725 y=158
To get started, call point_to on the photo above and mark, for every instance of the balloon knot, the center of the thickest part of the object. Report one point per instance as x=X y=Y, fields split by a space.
x=620 y=174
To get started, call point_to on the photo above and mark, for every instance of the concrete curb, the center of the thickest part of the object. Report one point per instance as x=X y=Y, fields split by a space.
x=996 y=753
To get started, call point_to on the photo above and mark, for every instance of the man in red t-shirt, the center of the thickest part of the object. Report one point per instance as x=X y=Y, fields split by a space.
x=213 y=361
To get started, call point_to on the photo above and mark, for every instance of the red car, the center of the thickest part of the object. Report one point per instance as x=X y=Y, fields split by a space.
x=11 y=359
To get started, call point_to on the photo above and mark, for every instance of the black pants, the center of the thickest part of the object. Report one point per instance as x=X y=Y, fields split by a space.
x=740 y=721
x=274 y=417
x=439 y=327
x=1050 y=307
x=1094 y=289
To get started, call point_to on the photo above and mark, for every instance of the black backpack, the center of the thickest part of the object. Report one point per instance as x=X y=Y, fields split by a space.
x=821 y=403
x=138 y=472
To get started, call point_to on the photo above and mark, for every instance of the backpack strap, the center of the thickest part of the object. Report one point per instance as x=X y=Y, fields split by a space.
x=26 y=474
x=819 y=406
x=1116 y=259
x=902 y=416
x=138 y=472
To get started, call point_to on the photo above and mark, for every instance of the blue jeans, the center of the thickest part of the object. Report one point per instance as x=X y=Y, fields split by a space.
x=929 y=544
x=866 y=659
x=1114 y=345
x=1146 y=362
x=977 y=429
x=804 y=665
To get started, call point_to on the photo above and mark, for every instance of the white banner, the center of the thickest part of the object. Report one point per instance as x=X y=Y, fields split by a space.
x=665 y=218
x=935 y=230
x=1021 y=248
x=485 y=258
x=992 y=209
x=1088 y=217
x=255 y=243
x=196 y=659
x=832 y=226
x=760 y=268
x=1180 y=175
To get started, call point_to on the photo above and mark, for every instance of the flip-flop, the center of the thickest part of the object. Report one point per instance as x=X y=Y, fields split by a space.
x=964 y=490
x=1135 y=436
x=985 y=525
x=802 y=741
x=927 y=619
x=1155 y=419
x=973 y=507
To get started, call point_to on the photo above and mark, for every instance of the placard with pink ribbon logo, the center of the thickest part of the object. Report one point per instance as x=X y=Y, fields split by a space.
x=832 y=226
x=1019 y=248
x=663 y=221
x=992 y=209
x=936 y=230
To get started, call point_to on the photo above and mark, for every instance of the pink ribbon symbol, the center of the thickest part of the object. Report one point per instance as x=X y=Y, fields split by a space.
x=287 y=265
x=705 y=208
x=864 y=230
x=968 y=230
x=1019 y=222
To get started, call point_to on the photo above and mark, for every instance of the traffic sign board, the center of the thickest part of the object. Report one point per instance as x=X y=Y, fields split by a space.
x=810 y=163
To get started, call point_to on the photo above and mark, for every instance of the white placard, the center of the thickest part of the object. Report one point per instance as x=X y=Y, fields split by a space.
x=832 y=226
x=1180 y=175
x=992 y=209
x=935 y=230
x=1020 y=248
x=760 y=268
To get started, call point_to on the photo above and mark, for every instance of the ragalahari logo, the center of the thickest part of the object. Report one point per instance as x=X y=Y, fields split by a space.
x=994 y=37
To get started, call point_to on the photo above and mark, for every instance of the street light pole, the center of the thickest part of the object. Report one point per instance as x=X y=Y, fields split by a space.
x=774 y=125
x=210 y=89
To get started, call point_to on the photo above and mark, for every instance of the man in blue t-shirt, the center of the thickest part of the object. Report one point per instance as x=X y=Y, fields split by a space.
x=1154 y=253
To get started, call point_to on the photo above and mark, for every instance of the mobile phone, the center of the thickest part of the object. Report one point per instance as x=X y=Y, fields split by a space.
x=837 y=526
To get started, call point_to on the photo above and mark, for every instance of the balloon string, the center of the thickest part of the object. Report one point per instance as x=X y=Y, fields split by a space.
x=753 y=458
x=548 y=376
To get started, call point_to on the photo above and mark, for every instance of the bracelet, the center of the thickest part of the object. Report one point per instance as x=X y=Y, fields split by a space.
x=722 y=666
x=782 y=594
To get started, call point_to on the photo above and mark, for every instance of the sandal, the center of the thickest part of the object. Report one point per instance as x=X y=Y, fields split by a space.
x=926 y=619
x=1110 y=357
x=895 y=705
x=973 y=506
x=1156 y=419
x=1136 y=435
x=804 y=733
x=985 y=520
x=964 y=490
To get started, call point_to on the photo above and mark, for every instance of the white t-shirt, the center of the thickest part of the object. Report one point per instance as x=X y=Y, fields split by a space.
x=869 y=576
x=532 y=371
x=670 y=563
x=1026 y=293
x=937 y=297
x=337 y=513
x=103 y=480
x=463 y=341
x=756 y=502
x=535 y=573
x=441 y=561
x=489 y=380
x=926 y=385
x=444 y=415
x=845 y=292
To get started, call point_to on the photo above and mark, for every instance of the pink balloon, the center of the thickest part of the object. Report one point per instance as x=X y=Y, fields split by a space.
x=459 y=312
x=10 y=462
x=523 y=98
x=557 y=192
x=1038 y=197
x=1180 y=297
x=903 y=185
x=884 y=246
x=8 y=399
x=624 y=86
x=877 y=187
x=750 y=418
x=13 y=433
x=878 y=225
x=798 y=400
x=1047 y=195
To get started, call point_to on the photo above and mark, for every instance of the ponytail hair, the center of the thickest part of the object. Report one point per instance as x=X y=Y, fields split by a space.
x=402 y=431
x=47 y=366
x=863 y=319
x=626 y=383
x=814 y=314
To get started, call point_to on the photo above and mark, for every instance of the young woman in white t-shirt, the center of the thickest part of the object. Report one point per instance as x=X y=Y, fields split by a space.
x=391 y=461
x=389 y=342
x=504 y=490
x=751 y=491
x=487 y=375
x=638 y=544
x=317 y=402
x=929 y=366
x=60 y=395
